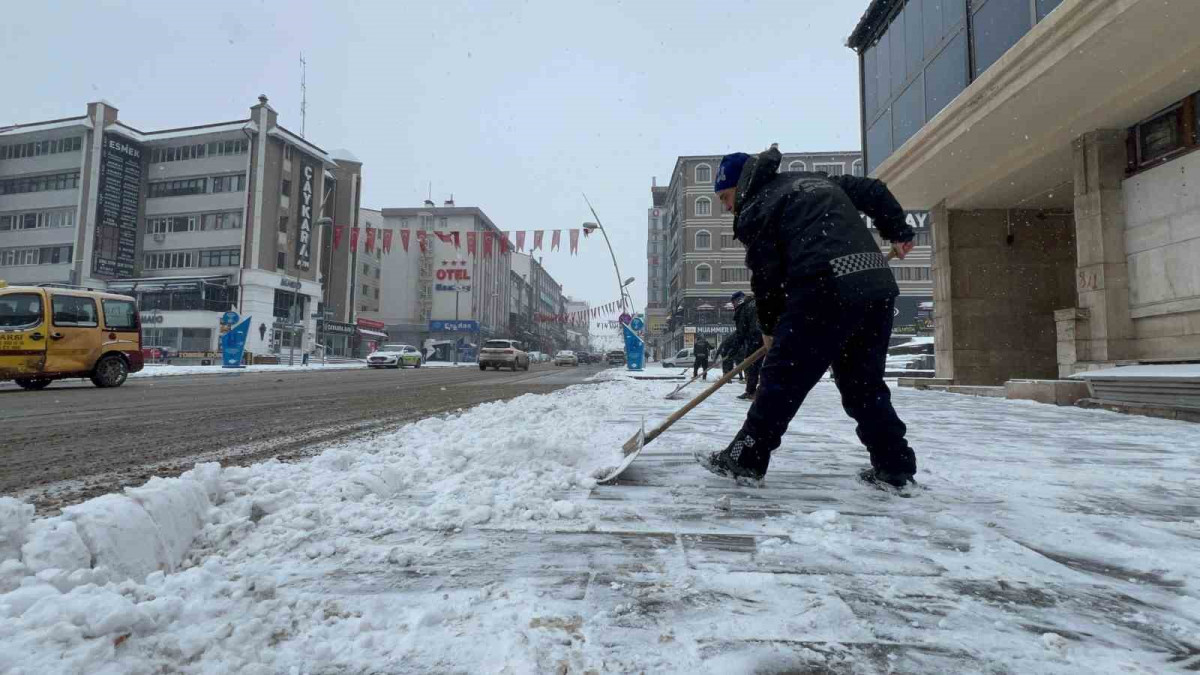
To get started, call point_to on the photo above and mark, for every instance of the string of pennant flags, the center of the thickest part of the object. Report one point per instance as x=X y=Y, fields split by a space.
x=477 y=243
x=585 y=316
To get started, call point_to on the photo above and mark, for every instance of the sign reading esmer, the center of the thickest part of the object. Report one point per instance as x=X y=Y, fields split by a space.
x=118 y=201
x=304 y=233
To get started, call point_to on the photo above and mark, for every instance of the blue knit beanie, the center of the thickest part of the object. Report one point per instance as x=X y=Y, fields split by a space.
x=730 y=170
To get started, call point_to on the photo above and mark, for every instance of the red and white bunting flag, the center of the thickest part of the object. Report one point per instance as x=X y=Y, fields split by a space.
x=404 y=235
x=471 y=238
x=354 y=239
x=457 y=240
x=423 y=240
x=487 y=244
x=338 y=230
x=370 y=239
x=521 y=240
x=537 y=240
x=503 y=243
x=387 y=241
x=556 y=240
x=574 y=242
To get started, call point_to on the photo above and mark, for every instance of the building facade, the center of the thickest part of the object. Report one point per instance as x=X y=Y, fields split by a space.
x=579 y=333
x=440 y=295
x=1055 y=168
x=193 y=221
x=546 y=298
x=701 y=265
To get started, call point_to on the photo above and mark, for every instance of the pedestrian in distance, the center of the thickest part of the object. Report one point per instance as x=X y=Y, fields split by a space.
x=825 y=297
x=727 y=352
x=700 y=351
x=749 y=338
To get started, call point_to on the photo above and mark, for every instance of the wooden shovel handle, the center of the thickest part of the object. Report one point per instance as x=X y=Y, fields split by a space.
x=654 y=433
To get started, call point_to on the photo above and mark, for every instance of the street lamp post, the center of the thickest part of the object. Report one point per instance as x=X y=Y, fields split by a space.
x=591 y=227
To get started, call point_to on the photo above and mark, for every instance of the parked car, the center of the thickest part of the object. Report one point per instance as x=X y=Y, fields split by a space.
x=615 y=357
x=588 y=357
x=394 y=356
x=49 y=334
x=684 y=358
x=566 y=358
x=503 y=354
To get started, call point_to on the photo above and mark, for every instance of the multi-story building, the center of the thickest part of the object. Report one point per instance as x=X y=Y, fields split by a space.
x=546 y=298
x=194 y=221
x=703 y=265
x=579 y=331
x=441 y=293
x=657 y=298
x=520 y=308
x=1056 y=167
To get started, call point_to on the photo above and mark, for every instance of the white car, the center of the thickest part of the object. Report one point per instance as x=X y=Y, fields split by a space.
x=566 y=358
x=394 y=356
x=503 y=354
x=684 y=359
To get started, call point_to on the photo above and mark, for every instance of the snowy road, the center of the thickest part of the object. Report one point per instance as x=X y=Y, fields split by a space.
x=73 y=441
x=1048 y=540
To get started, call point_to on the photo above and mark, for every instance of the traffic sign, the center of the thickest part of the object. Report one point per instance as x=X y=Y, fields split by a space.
x=229 y=318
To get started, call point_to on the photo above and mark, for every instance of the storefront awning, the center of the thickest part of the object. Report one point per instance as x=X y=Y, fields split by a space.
x=372 y=333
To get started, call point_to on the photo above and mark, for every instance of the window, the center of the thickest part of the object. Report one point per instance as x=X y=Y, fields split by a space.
x=234 y=183
x=908 y=113
x=38 y=148
x=376 y=272
x=946 y=76
x=996 y=26
x=831 y=168
x=703 y=173
x=285 y=188
x=727 y=241
x=37 y=219
x=856 y=167
x=1160 y=135
x=703 y=240
x=20 y=310
x=703 y=274
x=797 y=165
x=703 y=206
x=283 y=223
x=229 y=220
x=376 y=293
x=280 y=260
x=175 y=188
x=55 y=181
x=72 y=310
x=366 y=290
x=911 y=273
x=366 y=269
x=226 y=257
x=196 y=340
x=734 y=275
x=235 y=147
x=120 y=314
x=879 y=141
x=284 y=301
x=923 y=238
x=1044 y=7
x=170 y=260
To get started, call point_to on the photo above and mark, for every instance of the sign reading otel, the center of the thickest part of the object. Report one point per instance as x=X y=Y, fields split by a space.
x=454 y=271
x=303 y=249
x=118 y=200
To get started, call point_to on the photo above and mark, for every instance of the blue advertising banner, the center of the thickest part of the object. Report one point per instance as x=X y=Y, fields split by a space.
x=635 y=349
x=233 y=344
x=453 y=326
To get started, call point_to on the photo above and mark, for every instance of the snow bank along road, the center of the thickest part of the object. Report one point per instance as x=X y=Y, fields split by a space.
x=73 y=441
x=1049 y=540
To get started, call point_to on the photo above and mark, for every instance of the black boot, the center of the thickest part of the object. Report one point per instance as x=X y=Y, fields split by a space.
x=745 y=458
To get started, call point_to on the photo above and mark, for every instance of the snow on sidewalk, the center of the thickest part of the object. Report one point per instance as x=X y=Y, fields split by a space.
x=152 y=370
x=1049 y=540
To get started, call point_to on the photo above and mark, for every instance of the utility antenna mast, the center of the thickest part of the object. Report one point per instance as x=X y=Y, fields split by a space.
x=303 y=96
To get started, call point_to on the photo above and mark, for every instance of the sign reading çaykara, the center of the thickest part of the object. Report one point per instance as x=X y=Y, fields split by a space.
x=303 y=247
x=117 y=204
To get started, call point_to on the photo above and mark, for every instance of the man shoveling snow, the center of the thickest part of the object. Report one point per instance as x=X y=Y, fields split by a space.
x=825 y=297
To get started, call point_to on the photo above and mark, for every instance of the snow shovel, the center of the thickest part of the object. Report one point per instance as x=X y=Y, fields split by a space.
x=633 y=447
x=675 y=394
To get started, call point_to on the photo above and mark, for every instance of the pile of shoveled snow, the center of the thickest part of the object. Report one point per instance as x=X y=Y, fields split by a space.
x=152 y=561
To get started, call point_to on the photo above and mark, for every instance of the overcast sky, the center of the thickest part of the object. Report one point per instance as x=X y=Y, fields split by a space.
x=515 y=107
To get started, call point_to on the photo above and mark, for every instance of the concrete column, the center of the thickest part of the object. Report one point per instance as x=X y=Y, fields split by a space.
x=999 y=277
x=1102 y=273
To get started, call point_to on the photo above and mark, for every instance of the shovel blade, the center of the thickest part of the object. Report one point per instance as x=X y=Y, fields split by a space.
x=632 y=448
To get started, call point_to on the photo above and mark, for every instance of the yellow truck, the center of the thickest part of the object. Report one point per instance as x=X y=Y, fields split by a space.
x=52 y=333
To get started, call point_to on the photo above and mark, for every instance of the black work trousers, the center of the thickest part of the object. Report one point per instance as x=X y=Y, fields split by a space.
x=701 y=363
x=819 y=329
